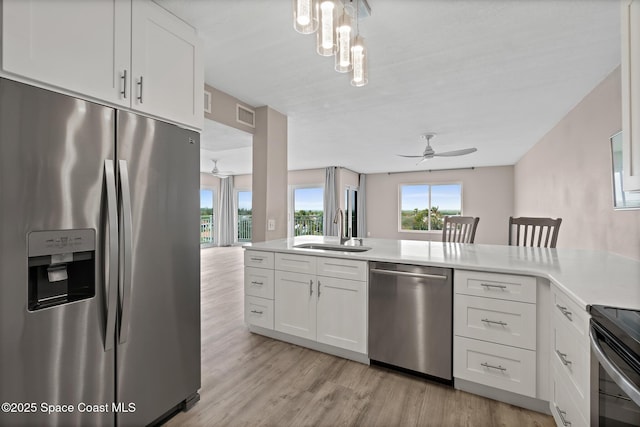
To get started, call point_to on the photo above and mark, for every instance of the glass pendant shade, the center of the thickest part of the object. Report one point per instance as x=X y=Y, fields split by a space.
x=326 y=35
x=344 y=39
x=359 y=76
x=305 y=16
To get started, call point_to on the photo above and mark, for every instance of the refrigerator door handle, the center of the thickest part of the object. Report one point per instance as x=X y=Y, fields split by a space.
x=127 y=242
x=111 y=269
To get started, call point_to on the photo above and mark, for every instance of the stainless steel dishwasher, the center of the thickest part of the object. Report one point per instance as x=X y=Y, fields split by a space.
x=411 y=317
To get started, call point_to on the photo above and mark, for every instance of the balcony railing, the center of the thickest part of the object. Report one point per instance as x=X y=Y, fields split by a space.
x=206 y=229
x=307 y=225
x=244 y=228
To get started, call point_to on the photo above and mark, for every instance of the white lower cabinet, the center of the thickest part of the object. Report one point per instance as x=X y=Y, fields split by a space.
x=499 y=366
x=325 y=308
x=258 y=289
x=258 y=311
x=494 y=321
x=570 y=361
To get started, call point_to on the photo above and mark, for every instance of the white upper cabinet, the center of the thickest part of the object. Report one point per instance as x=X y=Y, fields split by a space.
x=132 y=54
x=630 y=73
x=80 y=46
x=167 y=67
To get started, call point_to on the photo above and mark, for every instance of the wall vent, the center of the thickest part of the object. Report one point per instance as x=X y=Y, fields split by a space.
x=245 y=116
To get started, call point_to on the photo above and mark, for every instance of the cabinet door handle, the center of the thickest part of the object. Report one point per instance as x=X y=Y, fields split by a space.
x=310 y=287
x=496 y=322
x=140 y=90
x=486 y=365
x=563 y=358
x=319 y=284
x=562 y=415
x=256 y=311
x=124 y=84
x=490 y=285
x=566 y=312
x=257 y=283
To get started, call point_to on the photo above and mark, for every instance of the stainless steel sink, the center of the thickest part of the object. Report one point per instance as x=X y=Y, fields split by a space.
x=330 y=247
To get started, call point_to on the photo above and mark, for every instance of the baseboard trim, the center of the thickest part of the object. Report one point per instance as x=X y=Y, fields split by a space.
x=503 y=396
x=313 y=345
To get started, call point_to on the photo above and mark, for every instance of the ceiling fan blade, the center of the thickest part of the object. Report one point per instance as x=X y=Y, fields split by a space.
x=423 y=159
x=456 y=152
x=415 y=157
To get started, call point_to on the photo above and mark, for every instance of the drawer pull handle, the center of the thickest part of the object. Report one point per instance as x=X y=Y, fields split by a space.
x=257 y=283
x=496 y=322
x=562 y=415
x=310 y=287
x=490 y=285
x=566 y=312
x=486 y=365
x=257 y=259
x=563 y=358
x=256 y=312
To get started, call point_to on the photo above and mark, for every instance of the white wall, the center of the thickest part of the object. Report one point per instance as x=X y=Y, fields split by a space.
x=486 y=193
x=567 y=174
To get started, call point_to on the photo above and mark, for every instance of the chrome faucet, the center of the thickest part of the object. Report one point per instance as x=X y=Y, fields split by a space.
x=339 y=219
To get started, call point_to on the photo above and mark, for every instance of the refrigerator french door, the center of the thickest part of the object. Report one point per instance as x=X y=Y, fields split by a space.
x=99 y=263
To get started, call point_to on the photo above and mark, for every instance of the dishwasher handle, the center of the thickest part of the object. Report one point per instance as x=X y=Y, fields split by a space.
x=408 y=274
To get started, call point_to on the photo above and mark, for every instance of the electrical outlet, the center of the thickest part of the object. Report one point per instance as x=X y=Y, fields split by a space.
x=271 y=225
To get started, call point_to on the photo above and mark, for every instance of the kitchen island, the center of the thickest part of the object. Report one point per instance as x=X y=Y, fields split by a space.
x=520 y=315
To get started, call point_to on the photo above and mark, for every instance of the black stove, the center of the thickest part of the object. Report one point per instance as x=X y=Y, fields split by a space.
x=615 y=344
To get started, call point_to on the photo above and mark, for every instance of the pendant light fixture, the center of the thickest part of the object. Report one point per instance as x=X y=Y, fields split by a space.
x=305 y=16
x=326 y=36
x=344 y=39
x=338 y=33
x=359 y=77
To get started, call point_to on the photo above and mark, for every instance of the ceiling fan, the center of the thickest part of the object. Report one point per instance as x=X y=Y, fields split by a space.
x=218 y=173
x=429 y=153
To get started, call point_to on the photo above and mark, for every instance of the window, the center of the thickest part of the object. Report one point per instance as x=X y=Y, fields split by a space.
x=308 y=211
x=207 y=217
x=423 y=206
x=244 y=215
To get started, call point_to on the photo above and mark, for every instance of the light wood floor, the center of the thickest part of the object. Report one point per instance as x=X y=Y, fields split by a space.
x=251 y=380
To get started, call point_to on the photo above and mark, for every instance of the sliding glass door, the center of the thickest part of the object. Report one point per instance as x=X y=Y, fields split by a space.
x=207 y=217
x=243 y=201
x=307 y=211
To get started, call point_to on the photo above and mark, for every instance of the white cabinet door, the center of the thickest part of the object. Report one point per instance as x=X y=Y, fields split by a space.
x=342 y=313
x=81 y=46
x=295 y=304
x=167 y=67
x=630 y=66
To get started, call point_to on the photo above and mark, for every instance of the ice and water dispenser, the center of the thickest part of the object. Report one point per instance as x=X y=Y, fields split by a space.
x=62 y=267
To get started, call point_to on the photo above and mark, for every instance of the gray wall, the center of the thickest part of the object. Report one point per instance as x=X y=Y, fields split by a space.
x=567 y=174
x=486 y=193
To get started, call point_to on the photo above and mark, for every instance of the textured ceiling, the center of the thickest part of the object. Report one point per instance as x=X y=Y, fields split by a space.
x=491 y=74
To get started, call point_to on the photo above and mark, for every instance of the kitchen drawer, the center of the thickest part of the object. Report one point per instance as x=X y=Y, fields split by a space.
x=342 y=268
x=570 y=355
x=295 y=263
x=495 y=285
x=258 y=259
x=258 y=311
x=500 y=366
x=565 y=410
x=258 y=282
x=504 y=322
x=571 y=314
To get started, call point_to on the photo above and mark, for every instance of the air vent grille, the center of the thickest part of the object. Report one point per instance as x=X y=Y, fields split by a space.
x=245 y=116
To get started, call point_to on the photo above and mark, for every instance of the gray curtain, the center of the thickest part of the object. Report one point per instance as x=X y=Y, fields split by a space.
x=330 y=202
x=362 y=218
x=227 y=212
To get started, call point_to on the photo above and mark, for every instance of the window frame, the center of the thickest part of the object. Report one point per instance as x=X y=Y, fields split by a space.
x=215 y=215
x=428 y=184
x=236 y=218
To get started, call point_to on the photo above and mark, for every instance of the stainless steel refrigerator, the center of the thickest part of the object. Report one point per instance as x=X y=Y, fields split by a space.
x=99 y=263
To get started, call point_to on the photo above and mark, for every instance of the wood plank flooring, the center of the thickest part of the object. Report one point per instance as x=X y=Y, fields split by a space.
x=250 y=380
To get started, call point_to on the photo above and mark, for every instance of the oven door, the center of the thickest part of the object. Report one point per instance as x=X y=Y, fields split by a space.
x=618 y=382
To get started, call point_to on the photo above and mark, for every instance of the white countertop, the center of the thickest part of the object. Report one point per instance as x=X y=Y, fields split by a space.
x=589 y=277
